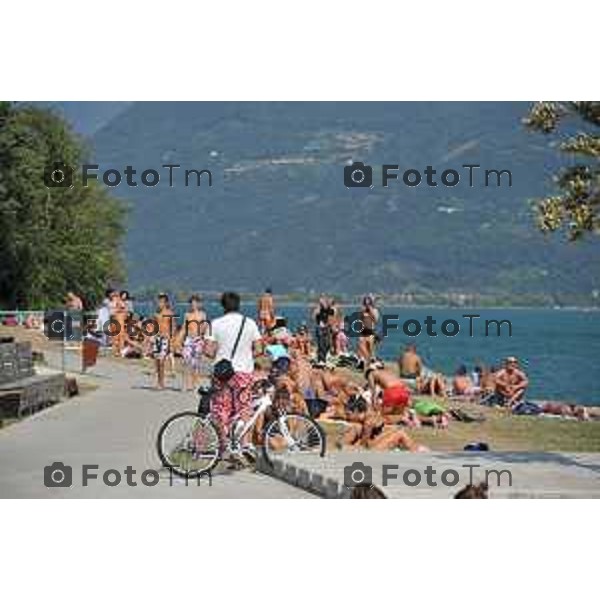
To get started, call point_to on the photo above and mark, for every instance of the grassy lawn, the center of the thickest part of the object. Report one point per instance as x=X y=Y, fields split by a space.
x=501 y=431
x=516 y=433
x=504 y=432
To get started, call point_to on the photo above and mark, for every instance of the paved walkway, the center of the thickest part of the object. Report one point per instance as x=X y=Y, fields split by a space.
x=113 y=427
x=532 y=475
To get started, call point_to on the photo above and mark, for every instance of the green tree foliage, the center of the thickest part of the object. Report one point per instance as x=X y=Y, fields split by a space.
x=577 y=206
x=52 y=240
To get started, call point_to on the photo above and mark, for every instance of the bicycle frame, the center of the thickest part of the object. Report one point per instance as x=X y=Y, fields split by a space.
x=260 y=406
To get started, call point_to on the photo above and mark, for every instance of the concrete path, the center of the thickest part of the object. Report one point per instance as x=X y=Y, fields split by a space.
x=114 y=427
x=532 y=475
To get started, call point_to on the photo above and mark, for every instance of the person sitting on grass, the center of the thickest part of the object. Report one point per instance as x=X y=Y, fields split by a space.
x=302 y=341
x=329 y=385
x=287 y=390
x=432 y=384
x=369 y=430
x=462 y=384
x=511 y=383
x=410 y=363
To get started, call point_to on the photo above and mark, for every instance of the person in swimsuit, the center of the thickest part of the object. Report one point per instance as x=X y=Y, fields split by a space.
x=431 y=383
x=336 y=324
x=322 y=315
x=301 y=372
x=302 y=342
x=462 y=384
x=333 y=387
x=372 y=433
x=511 y=383
x=266 y=311
x=390 y=393
x=118 y=314
x=161 y=344
x=365 y=348
x=191 y=341
x=410 y=363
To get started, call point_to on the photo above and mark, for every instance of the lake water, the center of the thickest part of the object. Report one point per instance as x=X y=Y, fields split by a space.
x=559 y=349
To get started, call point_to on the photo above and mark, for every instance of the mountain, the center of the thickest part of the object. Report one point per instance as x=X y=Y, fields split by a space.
x=86 y=117
x=279 y=214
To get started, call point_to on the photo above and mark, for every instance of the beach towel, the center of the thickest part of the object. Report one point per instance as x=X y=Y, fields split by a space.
x=427 y=408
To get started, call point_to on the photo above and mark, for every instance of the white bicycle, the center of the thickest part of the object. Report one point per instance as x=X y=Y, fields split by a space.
x=189 y=444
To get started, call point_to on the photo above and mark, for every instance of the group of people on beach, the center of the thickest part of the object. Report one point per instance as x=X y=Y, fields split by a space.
x=376 y=405
x=504 y=386
x=315 y=372
x=158 y=337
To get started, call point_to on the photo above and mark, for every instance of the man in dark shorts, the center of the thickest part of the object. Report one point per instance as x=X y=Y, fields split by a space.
x=322 y=315
x=511 y=383
x=369 y=317
x=410 y=363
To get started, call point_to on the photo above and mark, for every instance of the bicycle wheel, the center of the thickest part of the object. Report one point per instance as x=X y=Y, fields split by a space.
x=292 y=434
x=188 y=444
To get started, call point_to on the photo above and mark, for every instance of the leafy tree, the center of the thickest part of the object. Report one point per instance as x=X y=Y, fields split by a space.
x=577 y=206
x=52 y=240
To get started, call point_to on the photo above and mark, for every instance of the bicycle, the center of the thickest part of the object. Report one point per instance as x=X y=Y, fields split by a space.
x=189 y=442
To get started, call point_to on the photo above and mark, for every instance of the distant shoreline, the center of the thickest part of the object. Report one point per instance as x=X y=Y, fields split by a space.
x=283 y=301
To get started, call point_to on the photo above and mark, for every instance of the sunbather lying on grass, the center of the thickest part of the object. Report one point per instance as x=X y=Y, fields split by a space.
x=370 y=431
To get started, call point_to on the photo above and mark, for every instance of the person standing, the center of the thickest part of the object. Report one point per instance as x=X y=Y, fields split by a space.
x=369 y=317
x=161 y=343
x=266 y=311
x=233 y=338
x=191 y=338
x=322 y=314
x=103 y=318
x=118 y=313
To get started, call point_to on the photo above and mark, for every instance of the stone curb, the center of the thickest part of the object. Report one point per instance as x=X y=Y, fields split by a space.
x=305 y=479
x=312 y=481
